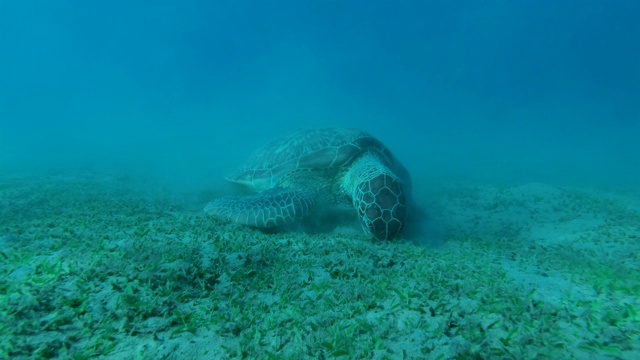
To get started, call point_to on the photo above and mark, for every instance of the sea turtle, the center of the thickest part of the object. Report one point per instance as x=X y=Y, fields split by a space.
x=311 y=168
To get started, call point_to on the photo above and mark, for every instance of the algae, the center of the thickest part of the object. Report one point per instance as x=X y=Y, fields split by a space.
x=103 y=267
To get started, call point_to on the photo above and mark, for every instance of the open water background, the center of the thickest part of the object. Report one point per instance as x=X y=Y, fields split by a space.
x=494 y=91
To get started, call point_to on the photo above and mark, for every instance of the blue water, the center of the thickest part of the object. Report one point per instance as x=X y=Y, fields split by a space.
x=490 y=90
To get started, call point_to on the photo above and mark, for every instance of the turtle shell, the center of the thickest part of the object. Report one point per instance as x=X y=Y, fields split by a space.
x=306 y=149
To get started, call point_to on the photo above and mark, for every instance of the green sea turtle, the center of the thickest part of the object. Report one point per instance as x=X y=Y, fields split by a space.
x=296 y=173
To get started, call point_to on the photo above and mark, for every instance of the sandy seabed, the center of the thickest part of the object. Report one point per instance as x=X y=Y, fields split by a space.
x=103 y=267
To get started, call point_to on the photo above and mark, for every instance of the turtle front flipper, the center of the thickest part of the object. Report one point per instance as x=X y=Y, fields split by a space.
x=270 y=208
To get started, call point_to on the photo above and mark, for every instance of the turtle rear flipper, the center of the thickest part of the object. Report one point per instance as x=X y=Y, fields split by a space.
x=273 y=207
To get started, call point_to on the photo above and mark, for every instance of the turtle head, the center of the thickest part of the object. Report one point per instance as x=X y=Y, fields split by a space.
x=381 y=205
x=379 y=197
